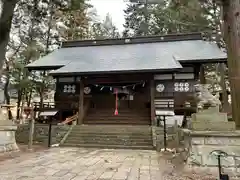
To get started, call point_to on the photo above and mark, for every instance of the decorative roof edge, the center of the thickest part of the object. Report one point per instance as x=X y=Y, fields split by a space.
x=134 y=40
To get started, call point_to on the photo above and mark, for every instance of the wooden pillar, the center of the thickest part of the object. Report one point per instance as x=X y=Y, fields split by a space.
x=152 y=97
x=202 y=75
x=81 y=101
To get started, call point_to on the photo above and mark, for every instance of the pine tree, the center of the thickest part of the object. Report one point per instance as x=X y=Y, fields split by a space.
x=167 y=17
x=105 y=29
x=75 y=18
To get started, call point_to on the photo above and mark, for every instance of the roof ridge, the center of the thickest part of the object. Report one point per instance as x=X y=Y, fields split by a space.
x=133 y=40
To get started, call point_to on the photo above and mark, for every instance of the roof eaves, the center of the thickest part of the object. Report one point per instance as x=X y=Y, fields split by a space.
x=215 y=60
x=52 y=73
x=42 y=68
x=134 y=40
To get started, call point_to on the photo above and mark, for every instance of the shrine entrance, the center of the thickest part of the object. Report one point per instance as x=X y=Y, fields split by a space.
x=124 y=103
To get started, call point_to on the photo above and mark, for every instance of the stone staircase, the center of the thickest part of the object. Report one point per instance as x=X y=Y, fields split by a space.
x=125 y=116
x=110 y=136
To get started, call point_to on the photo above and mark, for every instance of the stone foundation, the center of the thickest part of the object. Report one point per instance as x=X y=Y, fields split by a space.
x=201 y=143
x=41 y=133
x=7 y=136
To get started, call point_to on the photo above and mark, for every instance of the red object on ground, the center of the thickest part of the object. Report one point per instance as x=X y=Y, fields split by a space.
x=116 y=105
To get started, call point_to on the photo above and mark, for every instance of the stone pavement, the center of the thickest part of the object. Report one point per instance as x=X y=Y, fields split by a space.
x=84 y=164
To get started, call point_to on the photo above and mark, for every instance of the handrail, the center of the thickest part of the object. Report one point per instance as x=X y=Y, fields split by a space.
x=69 y=119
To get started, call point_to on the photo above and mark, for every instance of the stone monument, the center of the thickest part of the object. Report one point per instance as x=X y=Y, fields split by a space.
x=210 y=130
x=204 y=98
x=7 y=133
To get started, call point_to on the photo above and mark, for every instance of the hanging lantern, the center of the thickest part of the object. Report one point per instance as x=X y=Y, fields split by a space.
x=116 y=102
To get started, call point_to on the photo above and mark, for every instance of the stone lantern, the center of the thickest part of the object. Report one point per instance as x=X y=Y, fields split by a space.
x=7 y=132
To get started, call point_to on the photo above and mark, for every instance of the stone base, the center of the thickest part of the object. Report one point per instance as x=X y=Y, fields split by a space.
x=7 y=136
x=200 y=144
x=213 y=126
x=213 y=171
x=211 y=120
x=9 y=147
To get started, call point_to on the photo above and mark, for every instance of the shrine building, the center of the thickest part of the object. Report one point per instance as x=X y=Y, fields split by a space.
x=124 y=81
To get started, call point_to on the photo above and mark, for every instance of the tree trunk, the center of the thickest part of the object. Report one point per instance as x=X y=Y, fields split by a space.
x=6 y=95
x=21 y=111
x=29 y=98
x=19 y=100
x=5 y=27
x=225 y=104
x=231 y=11
x=41 y=97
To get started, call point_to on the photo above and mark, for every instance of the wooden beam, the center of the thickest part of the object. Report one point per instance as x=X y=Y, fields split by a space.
x=152 y=97
x=81 y=103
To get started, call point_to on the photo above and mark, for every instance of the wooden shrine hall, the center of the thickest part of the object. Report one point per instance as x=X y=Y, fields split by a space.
x=123 y=81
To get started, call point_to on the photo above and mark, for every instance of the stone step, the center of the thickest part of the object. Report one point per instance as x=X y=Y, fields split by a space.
x=146 y=139
x=111 y=135
x=125 y=110
x=110 y=142
x=119 y=115
x=111 y=119
x=113 y=131
x=102 y=135
x=114 y=122
x=104 y=146
x=131 y=128
x=112 y=126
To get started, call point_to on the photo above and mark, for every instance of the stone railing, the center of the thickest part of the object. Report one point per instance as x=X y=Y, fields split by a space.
x=40 y=135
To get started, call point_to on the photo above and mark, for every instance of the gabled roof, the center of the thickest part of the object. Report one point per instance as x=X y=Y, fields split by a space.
x=132 y=54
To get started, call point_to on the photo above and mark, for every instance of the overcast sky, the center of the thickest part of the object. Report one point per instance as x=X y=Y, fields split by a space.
x=114 y=8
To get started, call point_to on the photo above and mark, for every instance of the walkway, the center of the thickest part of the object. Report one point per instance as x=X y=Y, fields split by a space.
x=86 y=164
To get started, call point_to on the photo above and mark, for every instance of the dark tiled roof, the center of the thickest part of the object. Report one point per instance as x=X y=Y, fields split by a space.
x=157 y=55
x=140 y=57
